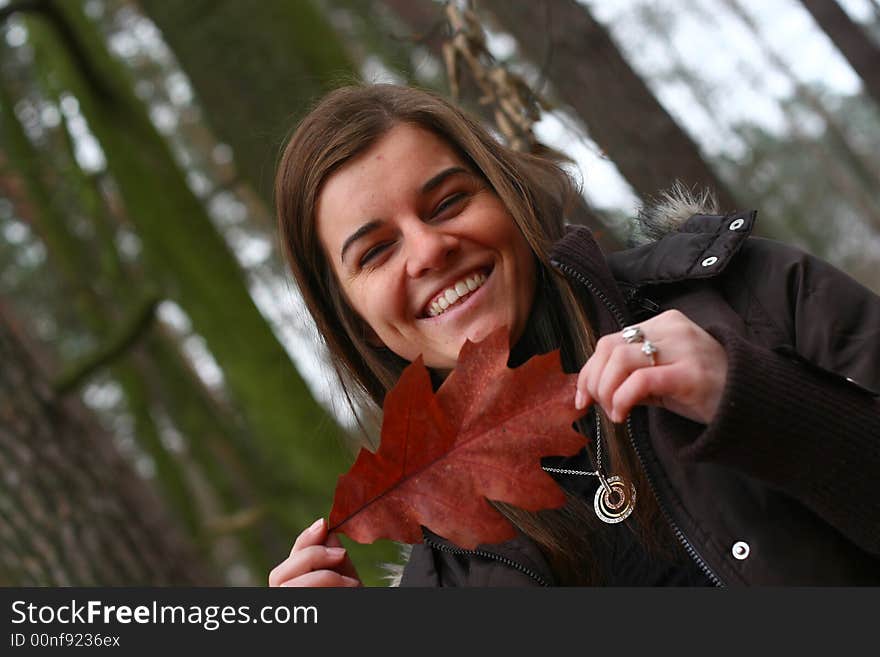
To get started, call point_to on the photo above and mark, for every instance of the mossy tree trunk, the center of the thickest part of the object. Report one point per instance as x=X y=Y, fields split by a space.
x=151 y=371
x=256 y=67
x=297 y=447
x=71 y=511
x=188 y=261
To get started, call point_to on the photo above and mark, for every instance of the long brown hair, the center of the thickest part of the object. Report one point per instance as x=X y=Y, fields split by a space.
x=536 y=192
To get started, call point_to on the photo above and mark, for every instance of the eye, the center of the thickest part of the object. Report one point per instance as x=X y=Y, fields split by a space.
x=447 y=203
x=372 y=253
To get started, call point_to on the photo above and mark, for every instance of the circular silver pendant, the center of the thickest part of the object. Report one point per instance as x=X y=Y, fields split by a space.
x=616 y=504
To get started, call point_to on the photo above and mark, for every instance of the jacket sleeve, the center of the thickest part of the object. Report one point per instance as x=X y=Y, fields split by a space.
x=802 y=416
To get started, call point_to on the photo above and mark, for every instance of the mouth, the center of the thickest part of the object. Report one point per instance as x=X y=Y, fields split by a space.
x=456 y=293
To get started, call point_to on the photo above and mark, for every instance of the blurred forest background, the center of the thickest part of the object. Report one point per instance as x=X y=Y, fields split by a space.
x=166 y=413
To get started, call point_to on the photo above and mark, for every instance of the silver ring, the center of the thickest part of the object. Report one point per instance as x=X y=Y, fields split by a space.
x=632 y=334
x=650 y=351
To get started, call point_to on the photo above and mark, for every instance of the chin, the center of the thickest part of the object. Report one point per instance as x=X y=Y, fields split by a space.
x=477 y=335
x=480 y=333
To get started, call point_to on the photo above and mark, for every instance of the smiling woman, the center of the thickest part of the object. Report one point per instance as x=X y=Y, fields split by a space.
x=372 y=198
x=726 y=411
x=406 y=255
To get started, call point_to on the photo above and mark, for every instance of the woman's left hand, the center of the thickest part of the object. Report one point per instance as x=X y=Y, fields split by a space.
x=687 y=378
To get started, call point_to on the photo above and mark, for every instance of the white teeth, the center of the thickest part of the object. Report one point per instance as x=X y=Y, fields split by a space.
x=452 y=294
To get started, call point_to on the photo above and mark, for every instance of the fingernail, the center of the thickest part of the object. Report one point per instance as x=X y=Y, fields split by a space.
x=350 y=581
x=316 y=525
x=579 y=401
x=337 y=552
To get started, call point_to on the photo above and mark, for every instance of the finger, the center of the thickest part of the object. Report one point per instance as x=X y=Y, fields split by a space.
x=648 y=385
x=626 y=359
x=582 y=397
x=313 y=557
x=347 y=566
x=312 y=535
x=321 y=578
x=592 y=370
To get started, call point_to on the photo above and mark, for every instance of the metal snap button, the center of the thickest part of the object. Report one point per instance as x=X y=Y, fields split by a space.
x=740 y=550
x=736 y=225
x=711 y=260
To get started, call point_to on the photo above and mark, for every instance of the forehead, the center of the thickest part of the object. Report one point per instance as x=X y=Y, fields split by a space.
x=389 y=172
x=403 y=152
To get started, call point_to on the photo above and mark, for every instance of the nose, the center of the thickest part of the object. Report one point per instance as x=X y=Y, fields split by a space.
x=428 y=247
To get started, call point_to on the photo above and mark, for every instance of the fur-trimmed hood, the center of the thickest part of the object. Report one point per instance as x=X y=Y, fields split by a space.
x=668 y=210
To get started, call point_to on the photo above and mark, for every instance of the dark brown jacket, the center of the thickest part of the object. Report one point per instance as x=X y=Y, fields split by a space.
x=790 y=465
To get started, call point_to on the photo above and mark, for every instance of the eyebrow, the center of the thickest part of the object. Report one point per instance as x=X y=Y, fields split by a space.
x=437 y=180
x=432 y=184
x=367 y=228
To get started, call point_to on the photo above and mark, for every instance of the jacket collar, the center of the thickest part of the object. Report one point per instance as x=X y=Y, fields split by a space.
x=701 y=247
x=684 y=253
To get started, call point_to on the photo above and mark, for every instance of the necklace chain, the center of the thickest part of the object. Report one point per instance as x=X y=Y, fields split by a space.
x=598 y=471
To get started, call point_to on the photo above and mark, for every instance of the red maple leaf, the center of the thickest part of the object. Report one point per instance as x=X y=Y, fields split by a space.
x=441 y=456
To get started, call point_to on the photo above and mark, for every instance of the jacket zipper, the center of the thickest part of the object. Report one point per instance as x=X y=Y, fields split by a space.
x=618 y=316
x=488 y=555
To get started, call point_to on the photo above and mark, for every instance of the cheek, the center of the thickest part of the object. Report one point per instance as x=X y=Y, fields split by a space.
x=376 y=302
x=364 y=306
x=517 y=249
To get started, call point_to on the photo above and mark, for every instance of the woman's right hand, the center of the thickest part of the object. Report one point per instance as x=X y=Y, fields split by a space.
x=317 y=559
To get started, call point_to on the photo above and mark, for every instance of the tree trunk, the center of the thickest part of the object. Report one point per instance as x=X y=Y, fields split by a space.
x=850 y=40
x=153 y=373
x=258 y=66
x=298 y=448
x=589 y=74
x=189 y=261
x=71 y=510
x=255 y=67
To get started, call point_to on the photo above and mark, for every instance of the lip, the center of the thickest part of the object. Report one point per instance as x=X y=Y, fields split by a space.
x=486 y=270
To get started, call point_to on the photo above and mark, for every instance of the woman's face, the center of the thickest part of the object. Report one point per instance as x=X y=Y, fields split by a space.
x=424 y=251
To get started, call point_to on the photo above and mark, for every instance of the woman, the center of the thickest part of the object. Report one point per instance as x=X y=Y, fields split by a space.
x=736 y=437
